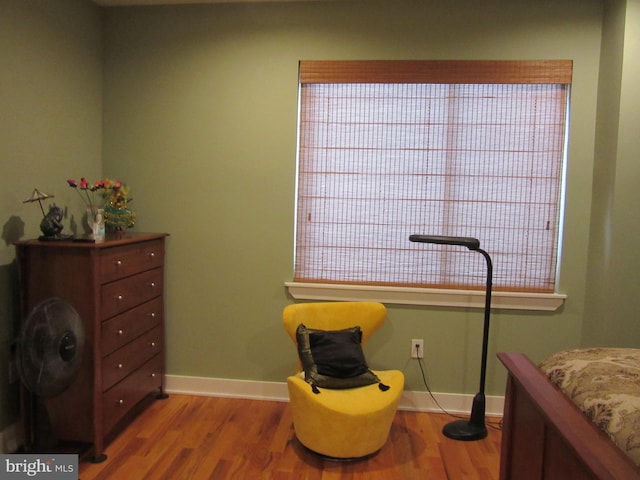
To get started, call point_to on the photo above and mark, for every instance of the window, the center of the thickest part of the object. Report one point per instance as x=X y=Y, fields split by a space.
x=461 y=148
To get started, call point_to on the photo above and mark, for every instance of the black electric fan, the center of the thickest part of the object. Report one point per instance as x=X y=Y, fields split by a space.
x=48 y=358
x=474 y=428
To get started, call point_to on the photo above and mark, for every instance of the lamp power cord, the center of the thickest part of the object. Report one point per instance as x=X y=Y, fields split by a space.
x=495 y=425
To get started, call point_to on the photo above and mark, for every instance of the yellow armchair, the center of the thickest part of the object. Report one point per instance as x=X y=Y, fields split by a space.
x=342 y=423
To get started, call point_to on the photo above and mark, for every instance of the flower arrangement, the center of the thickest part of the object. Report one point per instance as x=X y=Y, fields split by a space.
x=111 y=195
x=91 y=191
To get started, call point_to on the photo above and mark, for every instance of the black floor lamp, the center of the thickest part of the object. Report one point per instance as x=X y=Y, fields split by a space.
x=474 y=428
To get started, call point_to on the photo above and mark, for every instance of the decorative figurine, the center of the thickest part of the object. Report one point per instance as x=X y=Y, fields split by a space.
x=51 y=225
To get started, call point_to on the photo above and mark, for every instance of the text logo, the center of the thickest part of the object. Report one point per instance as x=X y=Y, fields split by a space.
x=39 y=466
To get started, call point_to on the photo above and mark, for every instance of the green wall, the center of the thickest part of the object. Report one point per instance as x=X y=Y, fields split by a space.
x=200 y=112
x=613 y=304
x=50 y=130
x=198 y=115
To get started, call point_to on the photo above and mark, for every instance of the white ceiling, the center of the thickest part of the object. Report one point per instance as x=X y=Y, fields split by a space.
x=114 y=3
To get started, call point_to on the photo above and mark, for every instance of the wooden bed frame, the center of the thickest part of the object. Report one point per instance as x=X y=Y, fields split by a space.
x=545 y=436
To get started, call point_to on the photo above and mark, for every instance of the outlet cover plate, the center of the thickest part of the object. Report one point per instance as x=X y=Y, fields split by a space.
x=417 y=352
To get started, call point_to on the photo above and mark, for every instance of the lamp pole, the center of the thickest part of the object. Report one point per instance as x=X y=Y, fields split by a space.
x=474 y=428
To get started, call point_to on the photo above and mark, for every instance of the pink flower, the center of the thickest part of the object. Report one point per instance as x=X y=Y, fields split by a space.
x=111 y=188
x=98 y=185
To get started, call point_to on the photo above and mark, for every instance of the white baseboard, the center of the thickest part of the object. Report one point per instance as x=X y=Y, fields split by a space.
x=457 y=403
x=277 y=391
x=221 y=387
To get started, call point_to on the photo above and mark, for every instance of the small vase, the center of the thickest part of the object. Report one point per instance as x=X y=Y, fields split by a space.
x=95 y=219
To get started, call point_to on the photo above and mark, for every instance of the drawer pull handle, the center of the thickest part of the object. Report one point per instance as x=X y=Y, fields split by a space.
x=153 y=375
x=152 y=284
x=120 y=332
x=153 y=344
x=120 y=402
x=119 y=297
x=120 y=365
x=152 y=314
x=118 y=263
x=152 y=254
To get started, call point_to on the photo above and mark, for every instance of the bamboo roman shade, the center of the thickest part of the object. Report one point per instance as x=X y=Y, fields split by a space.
x=461 y=148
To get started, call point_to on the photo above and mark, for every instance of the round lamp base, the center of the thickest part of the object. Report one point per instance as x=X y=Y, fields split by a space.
x=464 y=430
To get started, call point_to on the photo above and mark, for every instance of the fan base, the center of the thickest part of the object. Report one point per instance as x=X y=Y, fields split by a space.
x=99 y=458
x=63 y=447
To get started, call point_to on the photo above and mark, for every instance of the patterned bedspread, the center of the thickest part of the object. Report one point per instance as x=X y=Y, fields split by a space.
x=605 y=384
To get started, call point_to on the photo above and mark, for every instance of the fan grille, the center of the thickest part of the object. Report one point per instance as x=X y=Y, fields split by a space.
x=50 y=347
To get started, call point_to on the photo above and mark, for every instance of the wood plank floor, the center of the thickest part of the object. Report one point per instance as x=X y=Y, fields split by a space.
x=191 y=438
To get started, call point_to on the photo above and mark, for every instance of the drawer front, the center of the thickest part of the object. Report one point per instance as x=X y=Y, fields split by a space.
x=123 y=328
x=124 y=361
x=124 y=260
x=126 y=394
x=116 y=297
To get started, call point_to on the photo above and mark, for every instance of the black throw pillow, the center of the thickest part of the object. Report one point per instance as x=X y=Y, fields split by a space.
x=333 y=358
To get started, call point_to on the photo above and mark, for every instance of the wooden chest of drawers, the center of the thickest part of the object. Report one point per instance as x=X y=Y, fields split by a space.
x=117 y=288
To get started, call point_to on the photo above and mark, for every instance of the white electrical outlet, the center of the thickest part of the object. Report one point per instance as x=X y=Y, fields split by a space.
x=417 y=348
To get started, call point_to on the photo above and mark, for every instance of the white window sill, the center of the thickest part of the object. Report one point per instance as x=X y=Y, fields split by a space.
x=426 y=296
